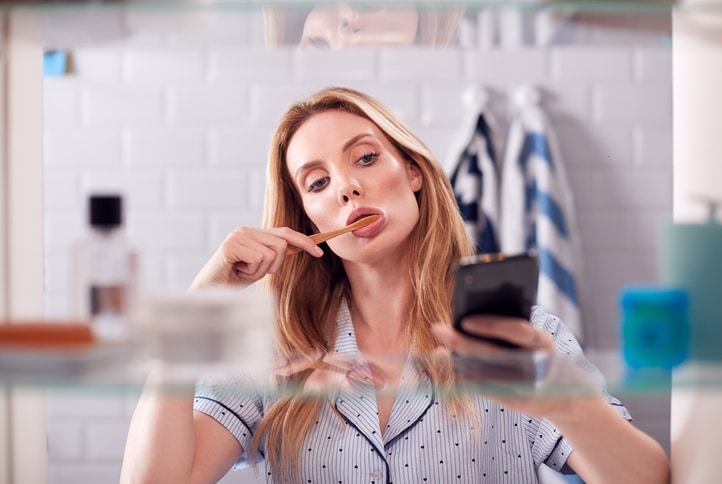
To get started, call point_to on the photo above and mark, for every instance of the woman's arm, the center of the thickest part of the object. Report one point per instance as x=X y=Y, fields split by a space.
x=169 y=442
x=607 y=447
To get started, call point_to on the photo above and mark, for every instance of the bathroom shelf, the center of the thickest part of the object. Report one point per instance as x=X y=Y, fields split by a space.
x=122 y=366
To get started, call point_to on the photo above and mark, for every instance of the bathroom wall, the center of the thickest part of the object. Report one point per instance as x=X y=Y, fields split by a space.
x=178 y=117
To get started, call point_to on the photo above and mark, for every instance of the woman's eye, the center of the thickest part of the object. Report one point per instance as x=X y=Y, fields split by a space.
x=318 y=43
x=368 y=158
x=318 y=184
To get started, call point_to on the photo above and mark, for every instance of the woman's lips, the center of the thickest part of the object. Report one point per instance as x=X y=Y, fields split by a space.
x=372 y=228
x=361 y=212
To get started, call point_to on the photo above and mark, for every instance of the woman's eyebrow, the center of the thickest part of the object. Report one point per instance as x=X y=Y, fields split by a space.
x=305 y=167
x=355 y=139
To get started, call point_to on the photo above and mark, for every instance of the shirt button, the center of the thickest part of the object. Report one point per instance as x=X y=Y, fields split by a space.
x=377 y=475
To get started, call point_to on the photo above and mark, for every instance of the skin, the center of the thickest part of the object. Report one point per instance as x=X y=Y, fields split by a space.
x=338 y=26
x=340 y=164
x=607 y=448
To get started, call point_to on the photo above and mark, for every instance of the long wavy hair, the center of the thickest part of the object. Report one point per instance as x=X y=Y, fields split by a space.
x=307 y=290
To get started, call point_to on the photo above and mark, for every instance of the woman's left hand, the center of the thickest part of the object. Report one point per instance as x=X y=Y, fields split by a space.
x=509 y=376
x=516 y=331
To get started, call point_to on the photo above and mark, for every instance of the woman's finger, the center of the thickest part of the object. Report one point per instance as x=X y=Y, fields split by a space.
x=519 y=332
x=270 y=245
x=248 y=254
x=465 y=345
x=297 y=239
x=290 y=366
x=254 y=257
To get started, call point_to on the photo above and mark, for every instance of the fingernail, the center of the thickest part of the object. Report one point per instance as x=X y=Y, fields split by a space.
x=318 y=250
x=363 y=374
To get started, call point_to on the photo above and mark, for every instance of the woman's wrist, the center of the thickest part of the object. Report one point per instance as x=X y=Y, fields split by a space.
x=577 y=410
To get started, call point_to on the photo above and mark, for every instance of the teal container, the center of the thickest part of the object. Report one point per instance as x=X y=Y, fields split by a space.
x=691 y=258
x=654 y=328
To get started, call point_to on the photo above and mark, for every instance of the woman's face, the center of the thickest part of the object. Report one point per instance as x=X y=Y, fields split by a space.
x=344 y=167
x=337 y=26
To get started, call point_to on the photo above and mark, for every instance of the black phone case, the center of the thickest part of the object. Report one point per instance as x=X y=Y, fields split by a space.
x=495 y=284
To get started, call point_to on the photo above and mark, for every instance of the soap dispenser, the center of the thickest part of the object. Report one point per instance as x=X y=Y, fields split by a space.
x=691 y=258
x=105 y=270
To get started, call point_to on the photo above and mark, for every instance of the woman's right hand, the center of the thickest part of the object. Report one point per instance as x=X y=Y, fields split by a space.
x=248 y=254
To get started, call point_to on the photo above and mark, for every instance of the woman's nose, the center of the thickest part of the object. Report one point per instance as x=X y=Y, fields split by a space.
x=347 y=19
x=348 y=192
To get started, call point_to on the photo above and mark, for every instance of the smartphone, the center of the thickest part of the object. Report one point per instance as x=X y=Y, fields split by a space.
x=495 y=284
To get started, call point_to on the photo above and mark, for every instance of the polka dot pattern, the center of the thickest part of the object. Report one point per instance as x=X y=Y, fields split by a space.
x=425 y=441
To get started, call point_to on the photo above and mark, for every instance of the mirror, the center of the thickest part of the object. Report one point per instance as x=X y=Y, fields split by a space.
x=175 y=107
x=344 y=25
x=338 y=26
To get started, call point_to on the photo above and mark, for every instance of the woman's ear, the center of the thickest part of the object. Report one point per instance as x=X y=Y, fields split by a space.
x=415 y=176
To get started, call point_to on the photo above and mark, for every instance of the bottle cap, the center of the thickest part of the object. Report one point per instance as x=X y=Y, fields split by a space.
x=105 y=211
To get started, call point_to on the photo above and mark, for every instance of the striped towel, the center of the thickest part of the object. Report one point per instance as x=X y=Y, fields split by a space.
x=475 y=180
x=538 y=209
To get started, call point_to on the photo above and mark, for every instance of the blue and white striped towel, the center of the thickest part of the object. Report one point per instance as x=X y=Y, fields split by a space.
x=475 y=180
x=537 y=209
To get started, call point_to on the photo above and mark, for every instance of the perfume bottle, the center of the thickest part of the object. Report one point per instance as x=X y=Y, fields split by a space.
x=106 y=270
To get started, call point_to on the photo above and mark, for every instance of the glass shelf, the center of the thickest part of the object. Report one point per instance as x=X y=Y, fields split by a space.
x=463 y=23
x=589 y=5
x=586 y=5
x=127 y=366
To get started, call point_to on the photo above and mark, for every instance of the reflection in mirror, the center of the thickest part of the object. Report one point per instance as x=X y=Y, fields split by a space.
x=351 y=25
x=342 y=25
x=176 y=111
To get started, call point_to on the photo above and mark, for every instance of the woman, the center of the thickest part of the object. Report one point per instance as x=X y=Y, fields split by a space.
x=381 y=290
x=343 y=25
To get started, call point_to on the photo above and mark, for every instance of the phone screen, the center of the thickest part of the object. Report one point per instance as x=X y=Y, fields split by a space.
x=495 y=284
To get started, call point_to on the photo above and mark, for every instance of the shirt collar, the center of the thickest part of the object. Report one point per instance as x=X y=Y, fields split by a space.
x=358 y=403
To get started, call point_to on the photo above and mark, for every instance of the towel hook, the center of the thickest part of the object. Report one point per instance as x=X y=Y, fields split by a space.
x=526 y=95
x=475 y=98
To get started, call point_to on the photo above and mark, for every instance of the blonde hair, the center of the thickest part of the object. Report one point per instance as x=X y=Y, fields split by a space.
x=438 y=26
x=307 y=290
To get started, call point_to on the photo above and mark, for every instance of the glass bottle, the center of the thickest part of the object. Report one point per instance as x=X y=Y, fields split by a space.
x=105 y=263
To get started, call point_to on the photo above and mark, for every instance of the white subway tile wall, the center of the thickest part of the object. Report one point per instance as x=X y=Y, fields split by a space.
x=179 y=121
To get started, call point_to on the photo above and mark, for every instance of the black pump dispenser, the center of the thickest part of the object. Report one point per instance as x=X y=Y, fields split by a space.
x=105 y=211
